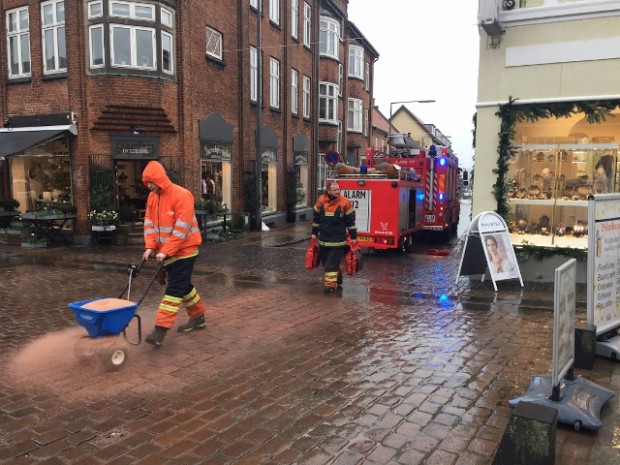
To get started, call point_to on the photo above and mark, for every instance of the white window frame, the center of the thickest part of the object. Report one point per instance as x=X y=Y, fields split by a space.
x=133 y=9
x=339 y=137
x=328 y=102
x=21 y=39
x=295 y=19
x=99 y=30
x=274 y=11
x=365 y=122
x=213 y=45
x=340 y=79
x=253 y=74
x=170 y=68
x=133 y=58
x=167 y=17
x=294 y=92
x=356 y=62
x=254 y=3
x=306 y=100
x=95 y=9
x=274 y=83
x=354 y=115
x=56 y=29
x=329 y=37
x=307 y=25
x=367 y=76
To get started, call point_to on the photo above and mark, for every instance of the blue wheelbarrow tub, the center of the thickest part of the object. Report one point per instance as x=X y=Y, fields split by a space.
x=102 y=322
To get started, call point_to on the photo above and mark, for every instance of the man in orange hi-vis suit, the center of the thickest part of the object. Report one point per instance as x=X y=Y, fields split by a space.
x=171 y=233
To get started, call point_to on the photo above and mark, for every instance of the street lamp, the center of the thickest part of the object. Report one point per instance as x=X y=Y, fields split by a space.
x=403 y=102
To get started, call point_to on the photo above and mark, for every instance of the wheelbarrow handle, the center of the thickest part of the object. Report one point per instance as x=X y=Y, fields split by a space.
x=133 y=270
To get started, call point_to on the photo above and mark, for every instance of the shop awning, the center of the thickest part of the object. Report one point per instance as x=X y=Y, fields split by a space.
x=15 y=140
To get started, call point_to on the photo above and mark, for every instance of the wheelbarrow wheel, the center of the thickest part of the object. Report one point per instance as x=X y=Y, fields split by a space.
x=117 y=359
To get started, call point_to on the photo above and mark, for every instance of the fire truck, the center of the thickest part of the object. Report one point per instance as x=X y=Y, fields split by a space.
x=388 y=204
x=438 y=171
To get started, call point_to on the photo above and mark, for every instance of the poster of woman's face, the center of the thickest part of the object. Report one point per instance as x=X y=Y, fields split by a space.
x=500 y=262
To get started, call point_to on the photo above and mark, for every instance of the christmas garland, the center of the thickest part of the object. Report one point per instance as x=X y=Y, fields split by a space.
x=595 y=111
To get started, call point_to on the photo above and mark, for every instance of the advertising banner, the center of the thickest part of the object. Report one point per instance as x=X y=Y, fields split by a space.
x=604 y=262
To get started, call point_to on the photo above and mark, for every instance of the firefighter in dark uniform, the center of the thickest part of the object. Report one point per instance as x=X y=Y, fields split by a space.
x=334 y=216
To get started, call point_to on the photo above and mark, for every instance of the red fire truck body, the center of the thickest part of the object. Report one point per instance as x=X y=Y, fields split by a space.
x=439 y=175
x=388 y=211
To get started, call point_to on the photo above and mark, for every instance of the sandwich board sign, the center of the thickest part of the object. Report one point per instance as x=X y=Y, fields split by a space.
x=488 y=248
x=604 y=272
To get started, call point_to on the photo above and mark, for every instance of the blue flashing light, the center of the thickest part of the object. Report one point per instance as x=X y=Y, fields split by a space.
x=421 y=196
x=442 y=162
x=442 y=196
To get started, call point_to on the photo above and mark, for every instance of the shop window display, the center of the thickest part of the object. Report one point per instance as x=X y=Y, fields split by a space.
x=549 y=189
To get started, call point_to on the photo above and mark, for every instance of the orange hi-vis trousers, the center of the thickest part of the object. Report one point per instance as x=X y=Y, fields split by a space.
x=179 y=291
x=169 y=308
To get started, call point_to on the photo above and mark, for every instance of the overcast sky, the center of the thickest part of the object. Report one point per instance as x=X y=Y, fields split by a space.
x=428 y=50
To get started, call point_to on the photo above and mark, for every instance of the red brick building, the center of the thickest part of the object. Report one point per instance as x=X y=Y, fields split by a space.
x=97 y=88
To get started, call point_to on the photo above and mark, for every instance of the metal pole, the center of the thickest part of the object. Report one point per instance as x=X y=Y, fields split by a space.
x=259 y=111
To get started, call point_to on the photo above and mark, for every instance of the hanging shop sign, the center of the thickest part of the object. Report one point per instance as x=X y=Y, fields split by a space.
x=301 y=158
x=215 y=152
x=135 y=147
x=269 y=156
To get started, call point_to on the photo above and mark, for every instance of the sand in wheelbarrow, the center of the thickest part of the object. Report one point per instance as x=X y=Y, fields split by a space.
x=108 y=304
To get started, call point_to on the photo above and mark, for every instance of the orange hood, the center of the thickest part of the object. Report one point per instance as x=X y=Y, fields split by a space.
x=156 y=173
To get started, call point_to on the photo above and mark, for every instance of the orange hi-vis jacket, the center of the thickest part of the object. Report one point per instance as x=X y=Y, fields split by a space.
x=170 y=224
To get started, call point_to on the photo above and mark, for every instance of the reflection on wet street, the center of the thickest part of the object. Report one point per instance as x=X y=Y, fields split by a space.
x=403 y=366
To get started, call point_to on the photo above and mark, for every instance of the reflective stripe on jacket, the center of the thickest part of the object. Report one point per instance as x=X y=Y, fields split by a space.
x=332 y=219
x=170 y=224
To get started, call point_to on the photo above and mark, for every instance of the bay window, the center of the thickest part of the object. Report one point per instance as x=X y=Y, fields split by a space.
x=356 y=62
x=329 y=37
x=129 y=35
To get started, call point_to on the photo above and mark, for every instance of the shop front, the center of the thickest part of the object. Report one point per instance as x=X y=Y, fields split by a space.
x=130 y=155
x=300 y=166
x=557 y=163
x=36 y=166
x=269 y=170
x=216 y=147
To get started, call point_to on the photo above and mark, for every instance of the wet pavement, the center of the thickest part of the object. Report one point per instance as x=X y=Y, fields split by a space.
x=404 y=366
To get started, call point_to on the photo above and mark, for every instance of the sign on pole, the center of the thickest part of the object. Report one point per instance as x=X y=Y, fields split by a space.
x=488 y=235
x=564 y=320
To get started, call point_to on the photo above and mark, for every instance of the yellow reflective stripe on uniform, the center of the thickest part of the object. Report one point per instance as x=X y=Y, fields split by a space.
x=168 y=261
x=349 y=211
x=329 y=213
x=332 y=244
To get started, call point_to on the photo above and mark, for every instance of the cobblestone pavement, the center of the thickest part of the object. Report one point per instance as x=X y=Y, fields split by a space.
x=404 y=366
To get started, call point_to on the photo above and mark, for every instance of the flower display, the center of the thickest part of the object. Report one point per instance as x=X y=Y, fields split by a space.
x=103 y=218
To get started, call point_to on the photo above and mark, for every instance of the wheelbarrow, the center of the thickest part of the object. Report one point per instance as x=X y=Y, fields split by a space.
x=104 y=319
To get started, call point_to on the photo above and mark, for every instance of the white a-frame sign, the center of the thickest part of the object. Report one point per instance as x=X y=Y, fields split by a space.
x=488 y=236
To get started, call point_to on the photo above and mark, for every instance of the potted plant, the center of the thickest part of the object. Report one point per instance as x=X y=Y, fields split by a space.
x=103 y=220
x=32 y=240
